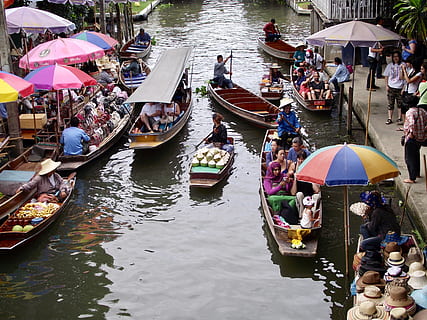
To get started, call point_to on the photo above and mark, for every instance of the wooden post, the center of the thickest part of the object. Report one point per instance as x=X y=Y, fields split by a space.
x=350 y=110
x=119 y=25
x=126 y=23
x=14 y=126
x=341 y=99
x=102 y=20
x=346 y=229
x=425 y=168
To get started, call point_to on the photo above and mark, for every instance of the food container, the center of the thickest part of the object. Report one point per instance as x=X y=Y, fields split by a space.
x=36 y=221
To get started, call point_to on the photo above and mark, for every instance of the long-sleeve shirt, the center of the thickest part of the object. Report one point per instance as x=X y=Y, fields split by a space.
x=219 y=134
x=284 y=126
x=341 y=74
x=220 y=69
x=271 y=188
x=45 y=184
x=415 y=123
x=72 y=140
x=145 y=37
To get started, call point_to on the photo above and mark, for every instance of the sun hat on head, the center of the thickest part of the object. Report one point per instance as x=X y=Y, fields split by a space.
x=418 y=280
x=308 y=201
x=372 y=199
x=395 y=259
x=48 y=165
x=300 y=44
x=399 y=298
x=371 y=293
x=285 y=102
x=414 y=266
x=420 y=297
x=365 y=311
x=370 y=278
x=275 y=66
x=399 y=314
x=359 y=208
x=107 y=66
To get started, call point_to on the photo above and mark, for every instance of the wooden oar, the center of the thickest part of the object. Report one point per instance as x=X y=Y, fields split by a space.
x=231 y=63
x=198 y=145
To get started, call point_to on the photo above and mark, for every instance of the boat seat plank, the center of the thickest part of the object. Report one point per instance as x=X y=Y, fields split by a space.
x=200 y=169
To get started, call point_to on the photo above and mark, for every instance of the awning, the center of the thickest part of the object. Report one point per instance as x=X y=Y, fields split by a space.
x=161 y=83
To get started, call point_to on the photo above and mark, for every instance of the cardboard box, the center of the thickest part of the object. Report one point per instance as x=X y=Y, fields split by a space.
x=27 y=120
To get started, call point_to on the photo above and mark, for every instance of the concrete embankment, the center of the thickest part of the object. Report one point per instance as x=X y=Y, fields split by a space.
x=386 y=138
x=143 y=14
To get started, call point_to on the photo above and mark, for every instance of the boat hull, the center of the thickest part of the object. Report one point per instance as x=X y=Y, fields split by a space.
x=129 y=49
x=129 y=83
x=278 y=49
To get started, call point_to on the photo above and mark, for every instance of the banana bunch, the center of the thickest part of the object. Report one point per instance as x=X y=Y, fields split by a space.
x=297 y=244
x=37 y=210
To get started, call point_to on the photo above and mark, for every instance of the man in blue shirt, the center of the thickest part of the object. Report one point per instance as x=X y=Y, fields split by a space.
x=297 y=145
x=289 y=126
x=341 y=74
x=142 y=37
x=72 y=138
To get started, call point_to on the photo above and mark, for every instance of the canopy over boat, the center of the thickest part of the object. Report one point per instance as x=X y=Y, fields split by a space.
x=161 y=84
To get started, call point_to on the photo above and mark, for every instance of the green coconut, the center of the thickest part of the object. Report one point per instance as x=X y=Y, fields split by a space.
x=27 y=228
x=204 y=162
x=209 y=156
x=214 y=151
x=204 y=150
x=212 y=164
x=195 y=162
x=17 y=228
x=199 y=156
x=220 y=164
x=217 y=157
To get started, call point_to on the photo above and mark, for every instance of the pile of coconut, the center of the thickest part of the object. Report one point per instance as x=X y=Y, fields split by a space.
x=211 y=157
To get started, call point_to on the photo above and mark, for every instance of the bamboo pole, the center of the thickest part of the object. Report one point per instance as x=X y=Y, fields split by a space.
x=346 y=229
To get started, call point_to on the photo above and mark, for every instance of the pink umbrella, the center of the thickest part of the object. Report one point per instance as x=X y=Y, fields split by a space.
x=12 y=86
x=61 y=51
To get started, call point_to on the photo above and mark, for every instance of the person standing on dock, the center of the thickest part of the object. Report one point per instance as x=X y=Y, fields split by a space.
x=271 y=30
x=220 y=70
x=394 y=81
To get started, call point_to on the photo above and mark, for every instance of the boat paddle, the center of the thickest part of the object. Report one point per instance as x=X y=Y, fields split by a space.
x=203 y=140
x=231 y=62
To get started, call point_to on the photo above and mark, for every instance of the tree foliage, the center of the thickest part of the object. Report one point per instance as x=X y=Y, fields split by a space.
x=411 y=18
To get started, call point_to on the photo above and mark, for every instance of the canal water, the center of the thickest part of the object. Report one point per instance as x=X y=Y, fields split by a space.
x=137 y=243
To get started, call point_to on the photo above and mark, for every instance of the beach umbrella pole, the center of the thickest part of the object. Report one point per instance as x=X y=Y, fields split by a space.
x=346 y=229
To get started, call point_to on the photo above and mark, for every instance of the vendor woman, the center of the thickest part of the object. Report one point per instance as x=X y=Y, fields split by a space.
x=219 y=134
x=50 y=186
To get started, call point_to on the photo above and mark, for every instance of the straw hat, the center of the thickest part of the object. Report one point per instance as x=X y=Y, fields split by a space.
x=300 y=44
x=107 y=66
x=399 y=298
x=391 y=247
x=371 y=293
x=420 y=297
x=48 y=165
x=359 y=208
x=285 y=101
x=395 y=259
x=275 y=66
x=414 y=255
x=399 y=314
x=366 y=310
x=418 y=279
x=370 y=278
x=421 y=315
x=414 y=266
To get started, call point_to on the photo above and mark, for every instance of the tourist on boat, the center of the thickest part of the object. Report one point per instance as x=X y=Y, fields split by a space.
x=415 y=137
x=317 y=88
x=72 y=138
x=272 y=154
x=288 y=167
x=142 y=38
x=133 y=67
x=170 y=113
x=307 y=219
x=288 y=125
x=395 y=81
x=341 y=74
x=314 y=59
x=276 y=182
x=297 y=146
x=150 y=116
x=220 y=70
x=218 y=138
x=299 y=55
x=300 y=78
x=275 y=75
x=271 y=30
x=50 y=187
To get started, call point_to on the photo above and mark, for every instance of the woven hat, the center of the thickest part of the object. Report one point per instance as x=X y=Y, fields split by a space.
x=107 y=66
x=285 y=101
x=414 y=266
x=308 y=201
x=395 y=259
x=399 y=298
x=275 y=66
x=365 y=311
x=359 y=208
x=399 y=314
x=421 y=315
x=370 y=278
x=391 y=247
x=371 y=293
x=420 y=297
x=418 y=279
x=48 y=165
x=414 y=255
x=357 y=260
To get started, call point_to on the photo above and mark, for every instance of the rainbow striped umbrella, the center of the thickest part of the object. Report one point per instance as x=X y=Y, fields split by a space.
x=12 y=86
x=347 y=164
x=96 y=38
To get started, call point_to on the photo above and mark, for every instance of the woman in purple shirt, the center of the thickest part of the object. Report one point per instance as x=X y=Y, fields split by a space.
x=275 y=181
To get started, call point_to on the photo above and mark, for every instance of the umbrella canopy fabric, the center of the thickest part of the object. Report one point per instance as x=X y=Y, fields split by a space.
x=99 y=39
x=33 y=20
x=12 y=86
x=74 y=2
x=58 y=77
x=357 y=33
x=62 y=51
x=347 y=165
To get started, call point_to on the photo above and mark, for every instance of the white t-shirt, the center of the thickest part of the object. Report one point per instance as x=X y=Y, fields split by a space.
x=392 y=71
x=169 y=109
x=150 y=108
x=413 y=86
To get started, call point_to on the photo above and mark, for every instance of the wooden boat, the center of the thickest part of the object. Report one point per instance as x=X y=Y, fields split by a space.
x=207 y=177
x=71 y=163
x=11 y=240
x=246 y=104
x=278 y=49
x=129 y=81
x=318 y=105
x=130 y=48
x=17 y=172
x=164 y=83
x=271 y=92
x=281 y=235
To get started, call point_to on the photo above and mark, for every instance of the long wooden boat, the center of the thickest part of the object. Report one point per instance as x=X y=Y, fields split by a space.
x=11 y=240
x=15 y=173
x=163 y=84
x=283 y=236
x=130 y=81
x=318 y=105
x=271 y=92
x=246 y=105
x=71 y=163
x=207 y=177
x=278 y=49
x=130 y=48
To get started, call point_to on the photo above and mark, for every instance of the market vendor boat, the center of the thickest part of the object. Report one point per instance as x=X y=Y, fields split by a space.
x=278 y=49
x=131 y=48
x=246 y=105
x=271 y=91
x=166 y=83
x=206 y=173
x=317 y=105
x=15 y=173
x=291 y=240
x=132 y=81
x=32 y=219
